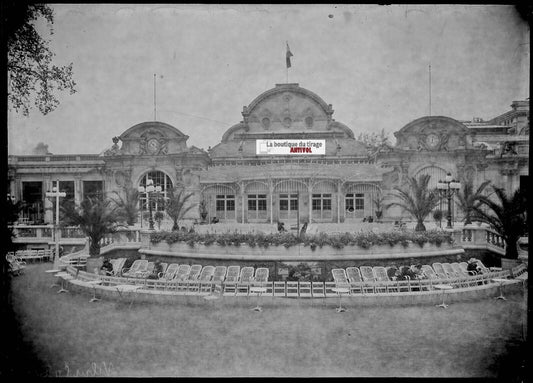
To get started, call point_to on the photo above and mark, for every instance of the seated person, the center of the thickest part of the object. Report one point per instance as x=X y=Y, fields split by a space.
x=281 y=226
x=157 y=269
x=215 y=220
x=473 y=267
x=107 y=267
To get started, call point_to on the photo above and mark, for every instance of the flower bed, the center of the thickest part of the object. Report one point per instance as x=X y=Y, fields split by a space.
x=362 y=240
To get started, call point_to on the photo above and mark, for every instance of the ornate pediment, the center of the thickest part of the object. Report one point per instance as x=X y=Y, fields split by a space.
x=153 y=139
x=432 y=134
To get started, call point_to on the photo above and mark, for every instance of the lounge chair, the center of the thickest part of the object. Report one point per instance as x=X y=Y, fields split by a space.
x=145 y=272
x=439 y=270
x=129 y=272
x=232 y=277
x=341 y=285
x=118 y=264
x=204 y=280
x=450 y=272
x=429 y=272
x=170 y=272
x=368 y=277
x=339 y=276
x=459 y=270
x=182 y=273
x=247 y=275
x=381 y=277
x=220 y=274
x=354 y=279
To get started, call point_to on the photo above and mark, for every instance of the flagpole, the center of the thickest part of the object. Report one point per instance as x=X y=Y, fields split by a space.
x=155 y=115
x=430 y=90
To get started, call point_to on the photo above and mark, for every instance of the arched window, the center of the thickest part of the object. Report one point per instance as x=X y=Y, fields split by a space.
x=160 y=179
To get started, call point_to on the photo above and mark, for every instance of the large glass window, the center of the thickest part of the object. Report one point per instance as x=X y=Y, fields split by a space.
x=156 y=200
x=288 y=206
x=321 y=205
x=355 y=205
x=225 y=206
x=32 y=195
x=68 y=188
x=257 y=206
x=93 y=189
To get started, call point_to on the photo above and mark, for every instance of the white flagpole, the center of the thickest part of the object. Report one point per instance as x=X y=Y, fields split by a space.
x=155 y=114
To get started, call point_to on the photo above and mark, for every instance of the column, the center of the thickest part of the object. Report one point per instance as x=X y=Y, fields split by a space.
x=310 y=198
x=77 y=190
x=271 y=193
x=48 y=204
x=339 y=187
x=242 y=201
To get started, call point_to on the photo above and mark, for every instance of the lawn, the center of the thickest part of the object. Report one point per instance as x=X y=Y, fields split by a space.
x=70 y=336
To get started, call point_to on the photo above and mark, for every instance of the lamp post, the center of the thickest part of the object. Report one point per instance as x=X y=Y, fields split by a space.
x=55 y=193
x=447 y=189
x=149 y=189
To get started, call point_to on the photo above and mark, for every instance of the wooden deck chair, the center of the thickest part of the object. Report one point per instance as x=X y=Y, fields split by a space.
x=439 y=270
x=247 y=275
x=429 y=272
x=118 y=265
x=136 y=266
x=179 y=282
x=232 y=277
x=145 y=272
x=354 y=279
x=450 y=272
x=170 y=272
x=193 y=285
x=382 y=279
x=368 y=277
x=458 y=270
x=218 y=278
x=205 y=279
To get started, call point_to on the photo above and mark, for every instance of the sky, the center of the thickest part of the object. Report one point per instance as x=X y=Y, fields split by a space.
x=370 y=62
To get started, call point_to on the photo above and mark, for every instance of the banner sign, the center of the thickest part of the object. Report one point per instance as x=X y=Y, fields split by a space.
x=290 y=147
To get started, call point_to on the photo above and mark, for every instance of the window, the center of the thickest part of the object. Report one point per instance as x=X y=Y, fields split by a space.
x=288 y=206
x=68 y=188
x=321 y=205
x=257 y=206
x=355 y=205
x=225 y=206
x=157 y=201
x=32 y=195
x=93 y=189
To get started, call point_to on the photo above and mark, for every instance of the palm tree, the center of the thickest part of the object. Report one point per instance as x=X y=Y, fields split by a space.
x=506 y=215
x=175 y=205
x=418 y=200
x=96 y=217
x=467 y=199
x=127 y=204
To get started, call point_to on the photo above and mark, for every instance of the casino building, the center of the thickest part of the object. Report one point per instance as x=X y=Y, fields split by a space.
x=239 y=184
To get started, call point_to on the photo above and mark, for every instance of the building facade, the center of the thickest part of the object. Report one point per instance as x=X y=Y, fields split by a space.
x=237 y=183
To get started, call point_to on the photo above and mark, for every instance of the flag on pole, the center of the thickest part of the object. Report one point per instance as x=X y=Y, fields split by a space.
x=289 y=55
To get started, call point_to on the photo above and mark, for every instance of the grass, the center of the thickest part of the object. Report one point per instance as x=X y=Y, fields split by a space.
x=71 y=336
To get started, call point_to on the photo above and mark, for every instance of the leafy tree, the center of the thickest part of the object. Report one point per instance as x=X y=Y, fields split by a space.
x=506 y=214
x=127 y=205
x=33 y=78
x=418 y=200
x=175 y=205
x=95 y=217
x=468 y=199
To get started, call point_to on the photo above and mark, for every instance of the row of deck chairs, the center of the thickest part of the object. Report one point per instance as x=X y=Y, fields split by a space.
x=32 y=255
x=228 y=280
x=377 y=279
